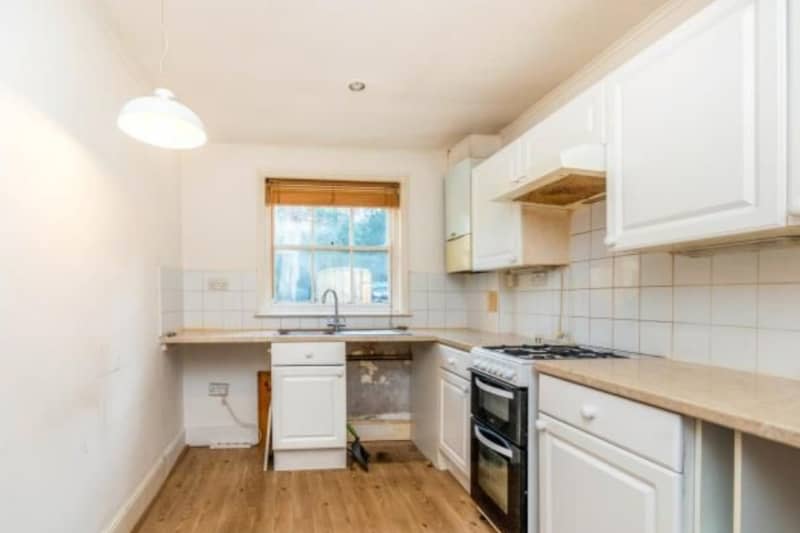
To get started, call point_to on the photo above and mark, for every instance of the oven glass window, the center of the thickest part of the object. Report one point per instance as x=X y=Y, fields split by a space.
x=496 y=406
x=493 y=476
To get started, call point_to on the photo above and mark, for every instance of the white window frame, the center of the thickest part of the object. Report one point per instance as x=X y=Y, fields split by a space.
x=398 y=269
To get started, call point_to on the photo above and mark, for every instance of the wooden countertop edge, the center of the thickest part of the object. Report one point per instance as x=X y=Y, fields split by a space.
x=273 y=337
x=788 y=435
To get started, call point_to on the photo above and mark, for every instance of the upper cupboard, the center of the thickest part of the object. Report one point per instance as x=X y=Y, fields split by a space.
x=701 y=133
x=699 y=130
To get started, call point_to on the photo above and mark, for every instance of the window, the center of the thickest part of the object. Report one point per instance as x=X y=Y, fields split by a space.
x=319 y=244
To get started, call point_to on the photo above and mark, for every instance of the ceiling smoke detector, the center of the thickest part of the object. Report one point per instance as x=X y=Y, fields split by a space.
x=356 y=86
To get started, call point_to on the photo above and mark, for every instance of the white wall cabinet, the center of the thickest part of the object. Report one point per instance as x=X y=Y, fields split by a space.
x=457 y=199
x=587 y=484
x=310 y=410
x=496 y=225
x=580 y=121
x=697 y=145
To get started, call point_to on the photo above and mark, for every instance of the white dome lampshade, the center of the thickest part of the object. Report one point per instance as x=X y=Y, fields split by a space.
x=162 y=121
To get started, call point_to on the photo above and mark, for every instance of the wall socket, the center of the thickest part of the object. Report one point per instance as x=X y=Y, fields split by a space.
x=217 y=389
x=218 y=284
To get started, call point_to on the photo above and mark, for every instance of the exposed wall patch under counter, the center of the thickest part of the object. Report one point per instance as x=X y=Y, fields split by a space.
x=379 y=390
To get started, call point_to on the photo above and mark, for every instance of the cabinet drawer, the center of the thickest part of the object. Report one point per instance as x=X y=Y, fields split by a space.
x=455 y=361
x=641 y=429
x=308 y=353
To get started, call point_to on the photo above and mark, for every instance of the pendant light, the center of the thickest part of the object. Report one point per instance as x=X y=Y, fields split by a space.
x=160 y=119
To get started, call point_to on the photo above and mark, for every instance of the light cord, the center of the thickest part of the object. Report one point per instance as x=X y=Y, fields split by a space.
x=164 y=42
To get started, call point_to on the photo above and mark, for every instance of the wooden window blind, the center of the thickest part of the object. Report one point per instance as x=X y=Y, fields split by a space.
x=283 y=191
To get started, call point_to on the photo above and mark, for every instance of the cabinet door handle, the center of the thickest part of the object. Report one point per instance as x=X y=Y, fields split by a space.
x=589 y=412
x=541 y=425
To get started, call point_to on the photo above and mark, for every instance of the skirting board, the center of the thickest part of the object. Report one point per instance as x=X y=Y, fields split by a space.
x=208 y=435
x=139 y=500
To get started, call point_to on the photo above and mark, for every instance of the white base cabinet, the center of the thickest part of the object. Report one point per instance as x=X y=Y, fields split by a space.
x=589 y=485
x=309 y=408
x=698 y=134
x=611 y=465
x=454 y=437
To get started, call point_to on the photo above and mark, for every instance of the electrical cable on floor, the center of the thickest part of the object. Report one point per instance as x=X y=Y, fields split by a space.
x=238 y=421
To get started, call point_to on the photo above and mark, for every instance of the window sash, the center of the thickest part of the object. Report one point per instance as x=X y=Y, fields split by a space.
x=351 y=249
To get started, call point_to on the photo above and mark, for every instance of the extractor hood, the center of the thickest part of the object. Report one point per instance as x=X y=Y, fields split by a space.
x=574 y=175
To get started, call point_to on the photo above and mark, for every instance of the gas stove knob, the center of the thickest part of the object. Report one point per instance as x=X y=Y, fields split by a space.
x=509 y=374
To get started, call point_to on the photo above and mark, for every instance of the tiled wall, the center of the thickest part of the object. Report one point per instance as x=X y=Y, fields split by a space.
x=452 y=301
x=739 y=310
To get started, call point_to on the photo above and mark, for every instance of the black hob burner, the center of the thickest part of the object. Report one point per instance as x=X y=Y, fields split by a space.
x=553 y=351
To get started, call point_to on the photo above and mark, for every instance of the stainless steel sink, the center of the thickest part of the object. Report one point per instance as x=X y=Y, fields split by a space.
x=305 y=332
x=344 y=332
x=377 y=332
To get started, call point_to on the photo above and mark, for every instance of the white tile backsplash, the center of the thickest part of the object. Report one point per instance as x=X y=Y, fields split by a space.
x=692 y=304
x=734 y=268
x=656 y=269
x=601 y=273
x=738 y=310
x=734 y=305
x=734 y=347
x=692 y=343
x=656 y=303
x=779 y=306
x=692 y=270
x=626 y=303
x=780 y=265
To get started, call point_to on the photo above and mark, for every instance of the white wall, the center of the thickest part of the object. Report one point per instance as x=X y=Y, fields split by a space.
x=88 y=404
x=223 y=198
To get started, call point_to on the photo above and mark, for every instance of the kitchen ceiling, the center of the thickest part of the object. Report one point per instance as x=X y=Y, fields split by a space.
x=277 y=71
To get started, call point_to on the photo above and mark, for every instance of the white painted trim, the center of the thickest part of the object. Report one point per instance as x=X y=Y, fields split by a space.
x=208 y=435
x=136 y=504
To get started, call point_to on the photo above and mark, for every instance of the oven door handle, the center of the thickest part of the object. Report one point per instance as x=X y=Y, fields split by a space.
x=493 y=390
x=505 y=452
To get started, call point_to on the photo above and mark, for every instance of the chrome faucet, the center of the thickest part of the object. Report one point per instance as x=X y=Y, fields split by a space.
x=335 y=322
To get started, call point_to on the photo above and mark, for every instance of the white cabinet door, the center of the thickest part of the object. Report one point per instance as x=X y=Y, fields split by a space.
x=697 y=129
x=309 y=409
x=589 y=485
x=496 y=225
x=794 y=108
x=454 y=400
x=580 y=121
x=457 y=199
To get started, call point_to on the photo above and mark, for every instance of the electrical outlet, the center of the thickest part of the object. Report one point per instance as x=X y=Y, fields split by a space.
x=217 y=389
x=218 y=284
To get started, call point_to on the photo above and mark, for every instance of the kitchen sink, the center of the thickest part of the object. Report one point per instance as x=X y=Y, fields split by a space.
x=343 y=333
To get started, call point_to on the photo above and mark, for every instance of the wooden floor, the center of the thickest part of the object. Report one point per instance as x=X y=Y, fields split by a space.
x=227 y=491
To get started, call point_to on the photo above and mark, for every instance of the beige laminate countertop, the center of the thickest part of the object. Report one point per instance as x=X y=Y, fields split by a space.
x=462 y=339
x=764 y=406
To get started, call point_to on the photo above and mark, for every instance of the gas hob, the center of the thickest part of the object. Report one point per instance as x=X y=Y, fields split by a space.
x=512 y=364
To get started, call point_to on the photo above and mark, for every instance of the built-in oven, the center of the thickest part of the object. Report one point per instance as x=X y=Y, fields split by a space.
x=499 y=461
x=499 y=479
x=501 y=407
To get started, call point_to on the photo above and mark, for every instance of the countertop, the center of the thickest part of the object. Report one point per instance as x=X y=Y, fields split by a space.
x=462 y=339
x=765 y=406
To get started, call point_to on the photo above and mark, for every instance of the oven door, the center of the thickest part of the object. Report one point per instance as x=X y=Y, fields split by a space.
x=498 y=479
x=501 y=407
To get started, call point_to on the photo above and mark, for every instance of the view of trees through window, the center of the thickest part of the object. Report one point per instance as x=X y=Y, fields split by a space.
x=340 y=248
